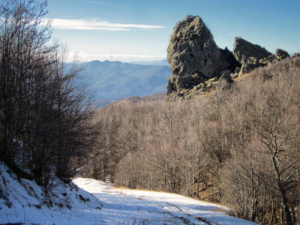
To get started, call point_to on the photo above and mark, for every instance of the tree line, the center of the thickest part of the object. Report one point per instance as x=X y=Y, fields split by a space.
x=42 y=107
x=238 y=146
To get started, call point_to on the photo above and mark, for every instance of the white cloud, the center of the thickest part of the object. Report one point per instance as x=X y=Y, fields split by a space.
x=68 y=24
x=85 y=56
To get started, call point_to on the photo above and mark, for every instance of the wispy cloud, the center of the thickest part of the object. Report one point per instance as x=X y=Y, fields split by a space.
x=68 y=24
x=108 y=4
x=85 y=56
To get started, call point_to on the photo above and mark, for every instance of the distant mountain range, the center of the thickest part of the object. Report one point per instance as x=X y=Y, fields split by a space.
x=163 y=62
x=117 y=80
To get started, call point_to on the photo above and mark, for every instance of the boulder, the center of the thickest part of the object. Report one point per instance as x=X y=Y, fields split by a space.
x=296 y=55
x=267 y=60
x=281 y=54
x=193 y=55
x=248 y=54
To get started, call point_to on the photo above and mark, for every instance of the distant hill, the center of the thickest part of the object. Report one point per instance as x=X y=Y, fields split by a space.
x=163 y=62
x=115 y=80
x=136 y=99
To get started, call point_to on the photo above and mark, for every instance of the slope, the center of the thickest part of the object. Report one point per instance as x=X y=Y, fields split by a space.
x=146 y=207
x=24 y=202
x=113 y=80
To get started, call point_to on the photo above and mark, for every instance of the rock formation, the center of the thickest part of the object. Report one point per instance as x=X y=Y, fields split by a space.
x=197 y=63
x=296 y=55
x=194 y=56
x=248 y=54
x=280 y=55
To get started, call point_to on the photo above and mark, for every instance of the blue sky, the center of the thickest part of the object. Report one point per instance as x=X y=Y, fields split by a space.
x=139 y=30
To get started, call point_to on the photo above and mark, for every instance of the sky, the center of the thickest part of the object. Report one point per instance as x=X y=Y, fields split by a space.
x=139 y=30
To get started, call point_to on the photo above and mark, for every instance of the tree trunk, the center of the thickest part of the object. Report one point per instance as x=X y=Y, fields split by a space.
x=284 y=199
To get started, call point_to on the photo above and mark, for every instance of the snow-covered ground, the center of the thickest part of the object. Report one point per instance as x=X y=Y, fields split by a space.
x=147 y=207
x=96 y=202
x=23 y=201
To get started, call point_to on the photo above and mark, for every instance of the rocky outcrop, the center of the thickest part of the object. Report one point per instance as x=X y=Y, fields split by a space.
x=231 y=59
x=280 y=55
x=248 y=54
x=197 y=64
x=267 y=60
x=296 y=55
x=194 y=56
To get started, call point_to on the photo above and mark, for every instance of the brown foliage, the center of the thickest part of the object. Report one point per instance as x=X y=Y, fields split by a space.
x=238 y=146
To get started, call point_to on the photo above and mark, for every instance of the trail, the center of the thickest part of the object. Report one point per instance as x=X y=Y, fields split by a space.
x=147 y=207
x=96 y=202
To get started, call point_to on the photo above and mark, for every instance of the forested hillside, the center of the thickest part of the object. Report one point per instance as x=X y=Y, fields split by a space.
x=42 y=108
x=229 y=132
x=238 y=145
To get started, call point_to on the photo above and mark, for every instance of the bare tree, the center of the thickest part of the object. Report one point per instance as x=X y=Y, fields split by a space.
x=41 y=108
x=276 y=119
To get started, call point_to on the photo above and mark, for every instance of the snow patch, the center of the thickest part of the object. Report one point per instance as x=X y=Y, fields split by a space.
x=91 y=202
x=23 y=201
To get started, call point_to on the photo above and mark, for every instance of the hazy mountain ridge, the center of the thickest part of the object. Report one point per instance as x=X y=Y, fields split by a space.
x=163 y=62
x=113 y=80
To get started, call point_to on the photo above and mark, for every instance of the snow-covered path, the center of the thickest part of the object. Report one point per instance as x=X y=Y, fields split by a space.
x=146 y=207
x=23 y=202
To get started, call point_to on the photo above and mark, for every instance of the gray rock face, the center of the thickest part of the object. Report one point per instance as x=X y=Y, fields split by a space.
x=231 y=59
x=193 y=55
x=248 y=54
x=267 y=60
